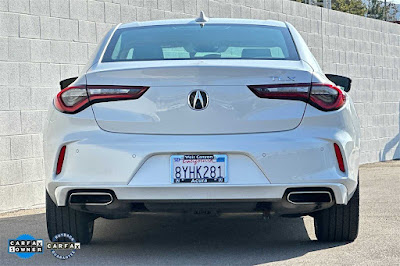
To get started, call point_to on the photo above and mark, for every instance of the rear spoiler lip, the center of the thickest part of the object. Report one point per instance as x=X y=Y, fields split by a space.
x=66 y=82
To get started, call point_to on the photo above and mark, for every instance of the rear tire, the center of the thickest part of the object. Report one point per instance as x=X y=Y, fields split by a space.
x=66 y=220
x=340 y=222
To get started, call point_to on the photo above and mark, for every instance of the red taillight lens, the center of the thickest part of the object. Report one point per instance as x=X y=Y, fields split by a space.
x=60 y=160
x=339 y=157
x=325 y=97
x=113 y=93
x=282 y=91
x=74 y=99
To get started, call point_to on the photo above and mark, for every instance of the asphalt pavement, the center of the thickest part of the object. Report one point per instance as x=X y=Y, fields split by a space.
x=232 y=239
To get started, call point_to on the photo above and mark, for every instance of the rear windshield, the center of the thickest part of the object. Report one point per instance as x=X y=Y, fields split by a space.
x=191 y=42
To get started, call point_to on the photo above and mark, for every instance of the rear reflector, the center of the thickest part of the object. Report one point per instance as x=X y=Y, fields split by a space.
x=325 y=97
x=74 y=99
x=60 y=160
x=339 y=157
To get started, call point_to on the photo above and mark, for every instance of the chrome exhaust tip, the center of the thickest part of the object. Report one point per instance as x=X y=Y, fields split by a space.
x=90 y=198
x=309 y=197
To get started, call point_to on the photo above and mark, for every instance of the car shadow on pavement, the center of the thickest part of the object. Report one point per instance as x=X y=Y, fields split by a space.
x=394 y=142
x=169 y=239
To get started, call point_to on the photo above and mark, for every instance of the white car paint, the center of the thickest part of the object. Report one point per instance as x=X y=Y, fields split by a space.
x=232 y=108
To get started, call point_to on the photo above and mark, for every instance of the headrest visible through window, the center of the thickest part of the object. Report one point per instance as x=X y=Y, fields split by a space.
x=147 y=53
x=256 y=53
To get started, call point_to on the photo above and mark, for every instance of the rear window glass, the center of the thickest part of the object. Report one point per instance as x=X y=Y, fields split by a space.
x=191 y=42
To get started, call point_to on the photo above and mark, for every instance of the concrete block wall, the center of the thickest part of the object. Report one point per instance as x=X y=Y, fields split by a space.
x=44 y=41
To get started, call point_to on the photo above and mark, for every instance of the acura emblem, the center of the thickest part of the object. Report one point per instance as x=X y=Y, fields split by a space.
x=198 y=100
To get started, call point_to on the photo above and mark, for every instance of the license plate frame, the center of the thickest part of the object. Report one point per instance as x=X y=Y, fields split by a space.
x=202 y=160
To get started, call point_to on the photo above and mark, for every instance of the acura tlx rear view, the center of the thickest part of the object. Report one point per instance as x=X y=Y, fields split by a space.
x=227 y=116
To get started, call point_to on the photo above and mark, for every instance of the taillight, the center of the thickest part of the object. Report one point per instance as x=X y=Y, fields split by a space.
x=339 y=157
x=325 y=97
x=60 y=160
x=282 y=91
x=114 y=93
x=74 y=99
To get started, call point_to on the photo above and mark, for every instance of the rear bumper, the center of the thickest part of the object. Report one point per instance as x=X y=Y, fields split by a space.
x=261 y=166
x=201 y=192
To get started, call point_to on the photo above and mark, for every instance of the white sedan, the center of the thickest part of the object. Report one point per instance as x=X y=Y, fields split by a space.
x=203 y=116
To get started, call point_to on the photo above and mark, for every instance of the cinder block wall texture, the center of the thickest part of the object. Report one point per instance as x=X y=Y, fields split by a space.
x=44 y=41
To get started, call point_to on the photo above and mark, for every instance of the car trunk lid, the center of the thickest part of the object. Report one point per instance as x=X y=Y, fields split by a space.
x=231 y=108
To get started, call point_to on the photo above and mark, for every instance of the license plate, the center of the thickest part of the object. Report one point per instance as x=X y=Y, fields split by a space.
x=199 y=168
